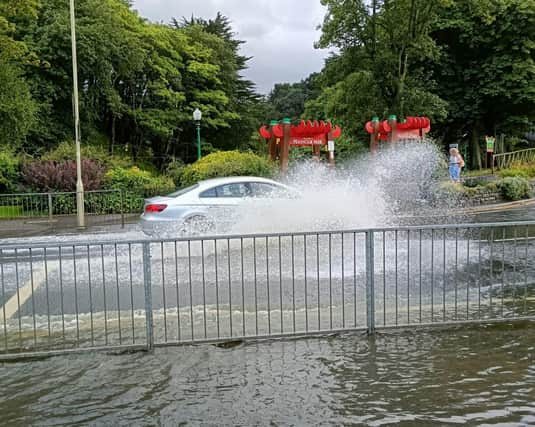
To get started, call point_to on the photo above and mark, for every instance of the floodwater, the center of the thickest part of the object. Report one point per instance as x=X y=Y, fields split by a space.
x=465 y=376
x=482 y=375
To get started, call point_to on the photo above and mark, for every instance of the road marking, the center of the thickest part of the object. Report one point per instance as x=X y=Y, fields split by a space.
x=12 y=305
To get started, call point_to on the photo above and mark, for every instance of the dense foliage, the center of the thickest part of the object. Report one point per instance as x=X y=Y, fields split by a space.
x=230 y=163
x=139 y=81
x=468 y=64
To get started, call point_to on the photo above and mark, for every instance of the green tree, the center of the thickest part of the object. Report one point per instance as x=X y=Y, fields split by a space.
x=487 y=68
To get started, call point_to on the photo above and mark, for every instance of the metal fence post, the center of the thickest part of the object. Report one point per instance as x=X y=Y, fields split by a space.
x=370 y=291
x=122 y=208
x=50 y=210
x=147 y=283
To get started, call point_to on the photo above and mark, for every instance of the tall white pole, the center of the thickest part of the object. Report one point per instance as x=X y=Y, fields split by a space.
x=79 y=183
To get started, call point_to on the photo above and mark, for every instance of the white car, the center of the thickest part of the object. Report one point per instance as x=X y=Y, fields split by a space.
x=207 y=206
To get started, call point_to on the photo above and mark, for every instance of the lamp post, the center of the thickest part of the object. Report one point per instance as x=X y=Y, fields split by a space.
x=197 y=116
x=79 y=184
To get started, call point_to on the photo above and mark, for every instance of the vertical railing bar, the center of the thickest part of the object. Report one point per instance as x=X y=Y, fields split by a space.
x=47 y=295
x=118 y=297
x=216 y=289
x=203 y=290
x=267 y=286
x=306 y=280
x=164 y=298
x=491 y=269
x=370 y=285
x=18 y=296
x=229 y=288
x=526 y=273
x=178 y=334
x=293 y=285
x=408 y=277
x=444 y=276
x=513 y=287
x=432 y=275
x=131 y=292
x=280 y=286
x=147 y=285
x=61 y=295
x=503 y=273
x=242 y=287
x=456 y=269
x=330 y=284
x=33 y=299
x=420 y=275
x=104 y=295
x=90 y=296
x=468 y=232
x=318 y=278
x=255 y=287
x=4 y=299
x=354 y=280
x=191 y=294
x=342 y=235
x=396 y=275
x=479 y=273
x=384 y=277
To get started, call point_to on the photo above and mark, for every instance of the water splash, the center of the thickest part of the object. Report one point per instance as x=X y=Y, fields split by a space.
x=375 y=190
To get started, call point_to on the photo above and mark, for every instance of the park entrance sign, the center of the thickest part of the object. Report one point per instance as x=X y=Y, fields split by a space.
x=283 y=135
x=392 y=131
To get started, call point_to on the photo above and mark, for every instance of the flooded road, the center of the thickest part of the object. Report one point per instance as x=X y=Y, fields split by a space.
x=468 y=376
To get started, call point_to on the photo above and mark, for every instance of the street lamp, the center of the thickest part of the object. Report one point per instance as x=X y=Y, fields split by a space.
x=197 y=116
x=79 y=183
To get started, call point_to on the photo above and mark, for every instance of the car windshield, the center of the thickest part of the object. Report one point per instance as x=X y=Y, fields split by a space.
x=183 y=191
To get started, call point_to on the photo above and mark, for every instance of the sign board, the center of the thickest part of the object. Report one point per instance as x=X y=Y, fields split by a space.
x=307 y=142
x=490 y=140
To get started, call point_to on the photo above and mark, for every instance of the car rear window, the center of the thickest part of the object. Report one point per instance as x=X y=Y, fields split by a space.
x=183 y=191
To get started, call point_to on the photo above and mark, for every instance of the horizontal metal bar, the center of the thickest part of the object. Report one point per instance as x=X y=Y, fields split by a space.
x=413 y=326
x=37 y=245
x=54 y=193
x=266 y=337
x=10 y=357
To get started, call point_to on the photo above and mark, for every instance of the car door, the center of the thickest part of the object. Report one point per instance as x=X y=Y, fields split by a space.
x=222 y=201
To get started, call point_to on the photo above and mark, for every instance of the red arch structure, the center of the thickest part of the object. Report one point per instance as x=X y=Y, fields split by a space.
x=391 y=131
x=283 y=135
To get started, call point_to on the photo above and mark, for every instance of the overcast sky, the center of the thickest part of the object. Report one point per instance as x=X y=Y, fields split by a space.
x=279 y=34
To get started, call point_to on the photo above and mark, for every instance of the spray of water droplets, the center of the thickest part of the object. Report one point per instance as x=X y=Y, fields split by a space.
x=375 y=190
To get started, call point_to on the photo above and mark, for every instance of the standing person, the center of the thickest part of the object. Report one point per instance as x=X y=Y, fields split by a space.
x=456 y=164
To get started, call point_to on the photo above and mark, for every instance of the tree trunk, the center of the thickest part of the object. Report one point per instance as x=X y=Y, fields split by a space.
x=475 y=150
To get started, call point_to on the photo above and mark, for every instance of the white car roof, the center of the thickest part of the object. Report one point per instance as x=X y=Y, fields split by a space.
x=209 y=183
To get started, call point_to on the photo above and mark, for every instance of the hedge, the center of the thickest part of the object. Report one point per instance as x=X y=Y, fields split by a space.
x=226 y=163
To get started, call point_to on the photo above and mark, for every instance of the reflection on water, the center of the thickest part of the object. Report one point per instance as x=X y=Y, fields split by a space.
x=463 y=376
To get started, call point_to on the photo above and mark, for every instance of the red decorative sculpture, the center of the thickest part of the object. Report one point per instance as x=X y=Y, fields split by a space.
x=412 y=128
x=315 y=134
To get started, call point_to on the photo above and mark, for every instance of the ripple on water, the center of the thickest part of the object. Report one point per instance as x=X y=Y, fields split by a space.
x=460 y=376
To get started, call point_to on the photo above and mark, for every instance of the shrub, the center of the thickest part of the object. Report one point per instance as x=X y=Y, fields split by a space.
x=226 y=163
x=50 y=175
x=515 y=188
x=9 y=171
x=174 y=170
x=137 y=181
x=514 y=172
x=67 y=151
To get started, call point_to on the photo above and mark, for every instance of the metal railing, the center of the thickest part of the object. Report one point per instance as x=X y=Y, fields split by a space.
x=51 y=206
x=59 y=298
x=506 y=160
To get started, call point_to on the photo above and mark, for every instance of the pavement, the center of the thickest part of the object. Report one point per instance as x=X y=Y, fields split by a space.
x=63 y=225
